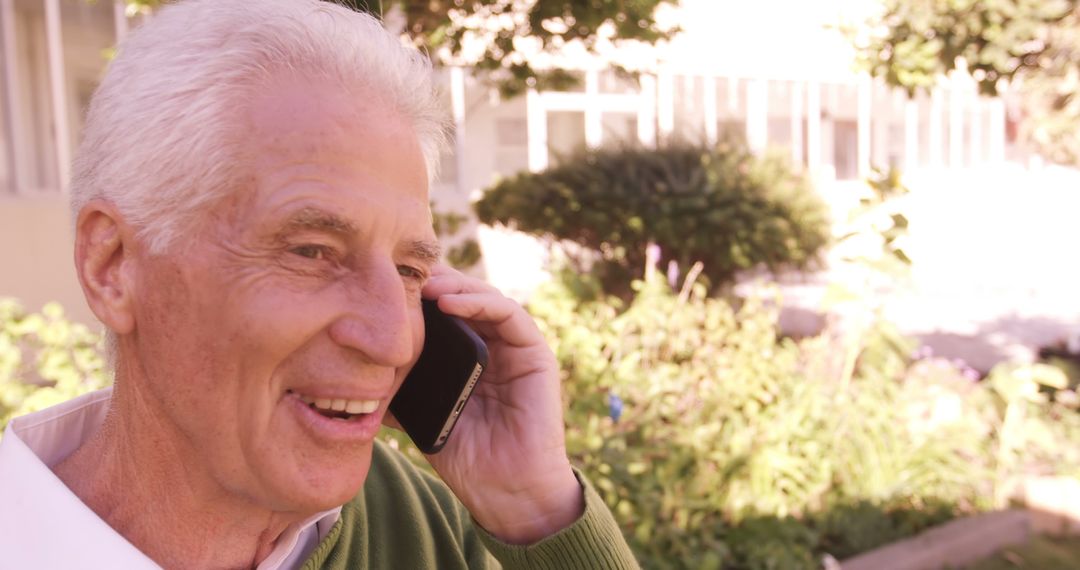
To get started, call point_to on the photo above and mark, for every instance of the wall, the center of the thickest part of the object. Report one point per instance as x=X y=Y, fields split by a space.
x=36 y=256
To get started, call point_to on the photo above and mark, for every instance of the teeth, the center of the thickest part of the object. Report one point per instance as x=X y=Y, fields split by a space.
x=341 y=405
x=362 y=406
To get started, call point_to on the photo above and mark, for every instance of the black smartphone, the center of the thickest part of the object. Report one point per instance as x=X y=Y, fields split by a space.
x=437 y=388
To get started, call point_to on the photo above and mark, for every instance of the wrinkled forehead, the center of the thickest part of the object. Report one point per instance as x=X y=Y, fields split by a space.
x=310 y=144
x=295 y=118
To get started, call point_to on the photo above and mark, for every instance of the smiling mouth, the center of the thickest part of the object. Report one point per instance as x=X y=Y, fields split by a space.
x=338 y=409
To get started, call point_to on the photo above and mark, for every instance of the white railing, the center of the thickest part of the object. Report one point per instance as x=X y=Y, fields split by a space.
x=655 y=103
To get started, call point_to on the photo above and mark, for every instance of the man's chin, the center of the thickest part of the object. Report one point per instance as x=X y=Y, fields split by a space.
x=322 y=485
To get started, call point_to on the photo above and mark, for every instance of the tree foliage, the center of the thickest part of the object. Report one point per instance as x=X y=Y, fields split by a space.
x=447 y=224
x=1033 y=45
x=508 y=31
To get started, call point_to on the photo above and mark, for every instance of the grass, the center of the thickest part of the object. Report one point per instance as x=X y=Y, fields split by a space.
x=1042 y=553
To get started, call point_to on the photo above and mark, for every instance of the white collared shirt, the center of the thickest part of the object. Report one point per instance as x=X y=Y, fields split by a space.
x=44 y=525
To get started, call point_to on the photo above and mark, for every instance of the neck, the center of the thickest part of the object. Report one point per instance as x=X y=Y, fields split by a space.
x=138 y=475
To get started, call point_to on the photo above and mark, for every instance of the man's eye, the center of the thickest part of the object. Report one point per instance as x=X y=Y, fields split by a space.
x=316 y=252
x=410 y=272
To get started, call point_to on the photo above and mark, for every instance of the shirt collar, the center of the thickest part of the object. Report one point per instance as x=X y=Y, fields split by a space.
x=44 y=525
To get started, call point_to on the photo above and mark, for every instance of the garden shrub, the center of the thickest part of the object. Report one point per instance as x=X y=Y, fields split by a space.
x=447 y=225
x=718 y=443
x=719 y=205
x=45 y=359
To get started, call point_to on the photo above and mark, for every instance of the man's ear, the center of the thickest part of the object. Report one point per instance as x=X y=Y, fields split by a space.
x=103 y=261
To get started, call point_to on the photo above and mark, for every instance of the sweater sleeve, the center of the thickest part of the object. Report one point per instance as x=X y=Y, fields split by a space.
x=406 y=517
x=593 y=542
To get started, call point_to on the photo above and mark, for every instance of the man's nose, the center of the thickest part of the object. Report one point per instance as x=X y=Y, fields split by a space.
x=377 y=320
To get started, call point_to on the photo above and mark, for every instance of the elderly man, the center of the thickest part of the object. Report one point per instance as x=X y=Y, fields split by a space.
x=252 y=227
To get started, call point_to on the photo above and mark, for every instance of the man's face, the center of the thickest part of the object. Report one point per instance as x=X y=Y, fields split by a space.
x=303 y=289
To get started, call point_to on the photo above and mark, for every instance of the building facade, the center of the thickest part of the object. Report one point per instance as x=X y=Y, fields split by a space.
x=775 y=71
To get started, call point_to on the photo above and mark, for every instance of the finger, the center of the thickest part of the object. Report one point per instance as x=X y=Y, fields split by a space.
x=445 y=280
x=504 y=316
x=443 y=269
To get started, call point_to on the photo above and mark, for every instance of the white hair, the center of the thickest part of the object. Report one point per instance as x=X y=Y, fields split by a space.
x=162 y=141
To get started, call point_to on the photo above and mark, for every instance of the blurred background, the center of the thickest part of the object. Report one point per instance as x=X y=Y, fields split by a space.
x=805 y=262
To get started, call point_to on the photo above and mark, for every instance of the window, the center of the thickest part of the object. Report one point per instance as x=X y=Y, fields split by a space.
x=511 y=145
x=566 y=134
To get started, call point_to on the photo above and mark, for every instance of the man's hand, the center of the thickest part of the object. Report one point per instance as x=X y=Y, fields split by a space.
x=506 y=460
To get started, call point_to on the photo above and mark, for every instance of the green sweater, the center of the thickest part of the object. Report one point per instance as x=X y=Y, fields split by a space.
x=406 y=518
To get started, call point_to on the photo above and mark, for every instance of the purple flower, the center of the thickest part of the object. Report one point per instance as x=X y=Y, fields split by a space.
x=673 y=274
x=922 y=352
x=615 y=406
